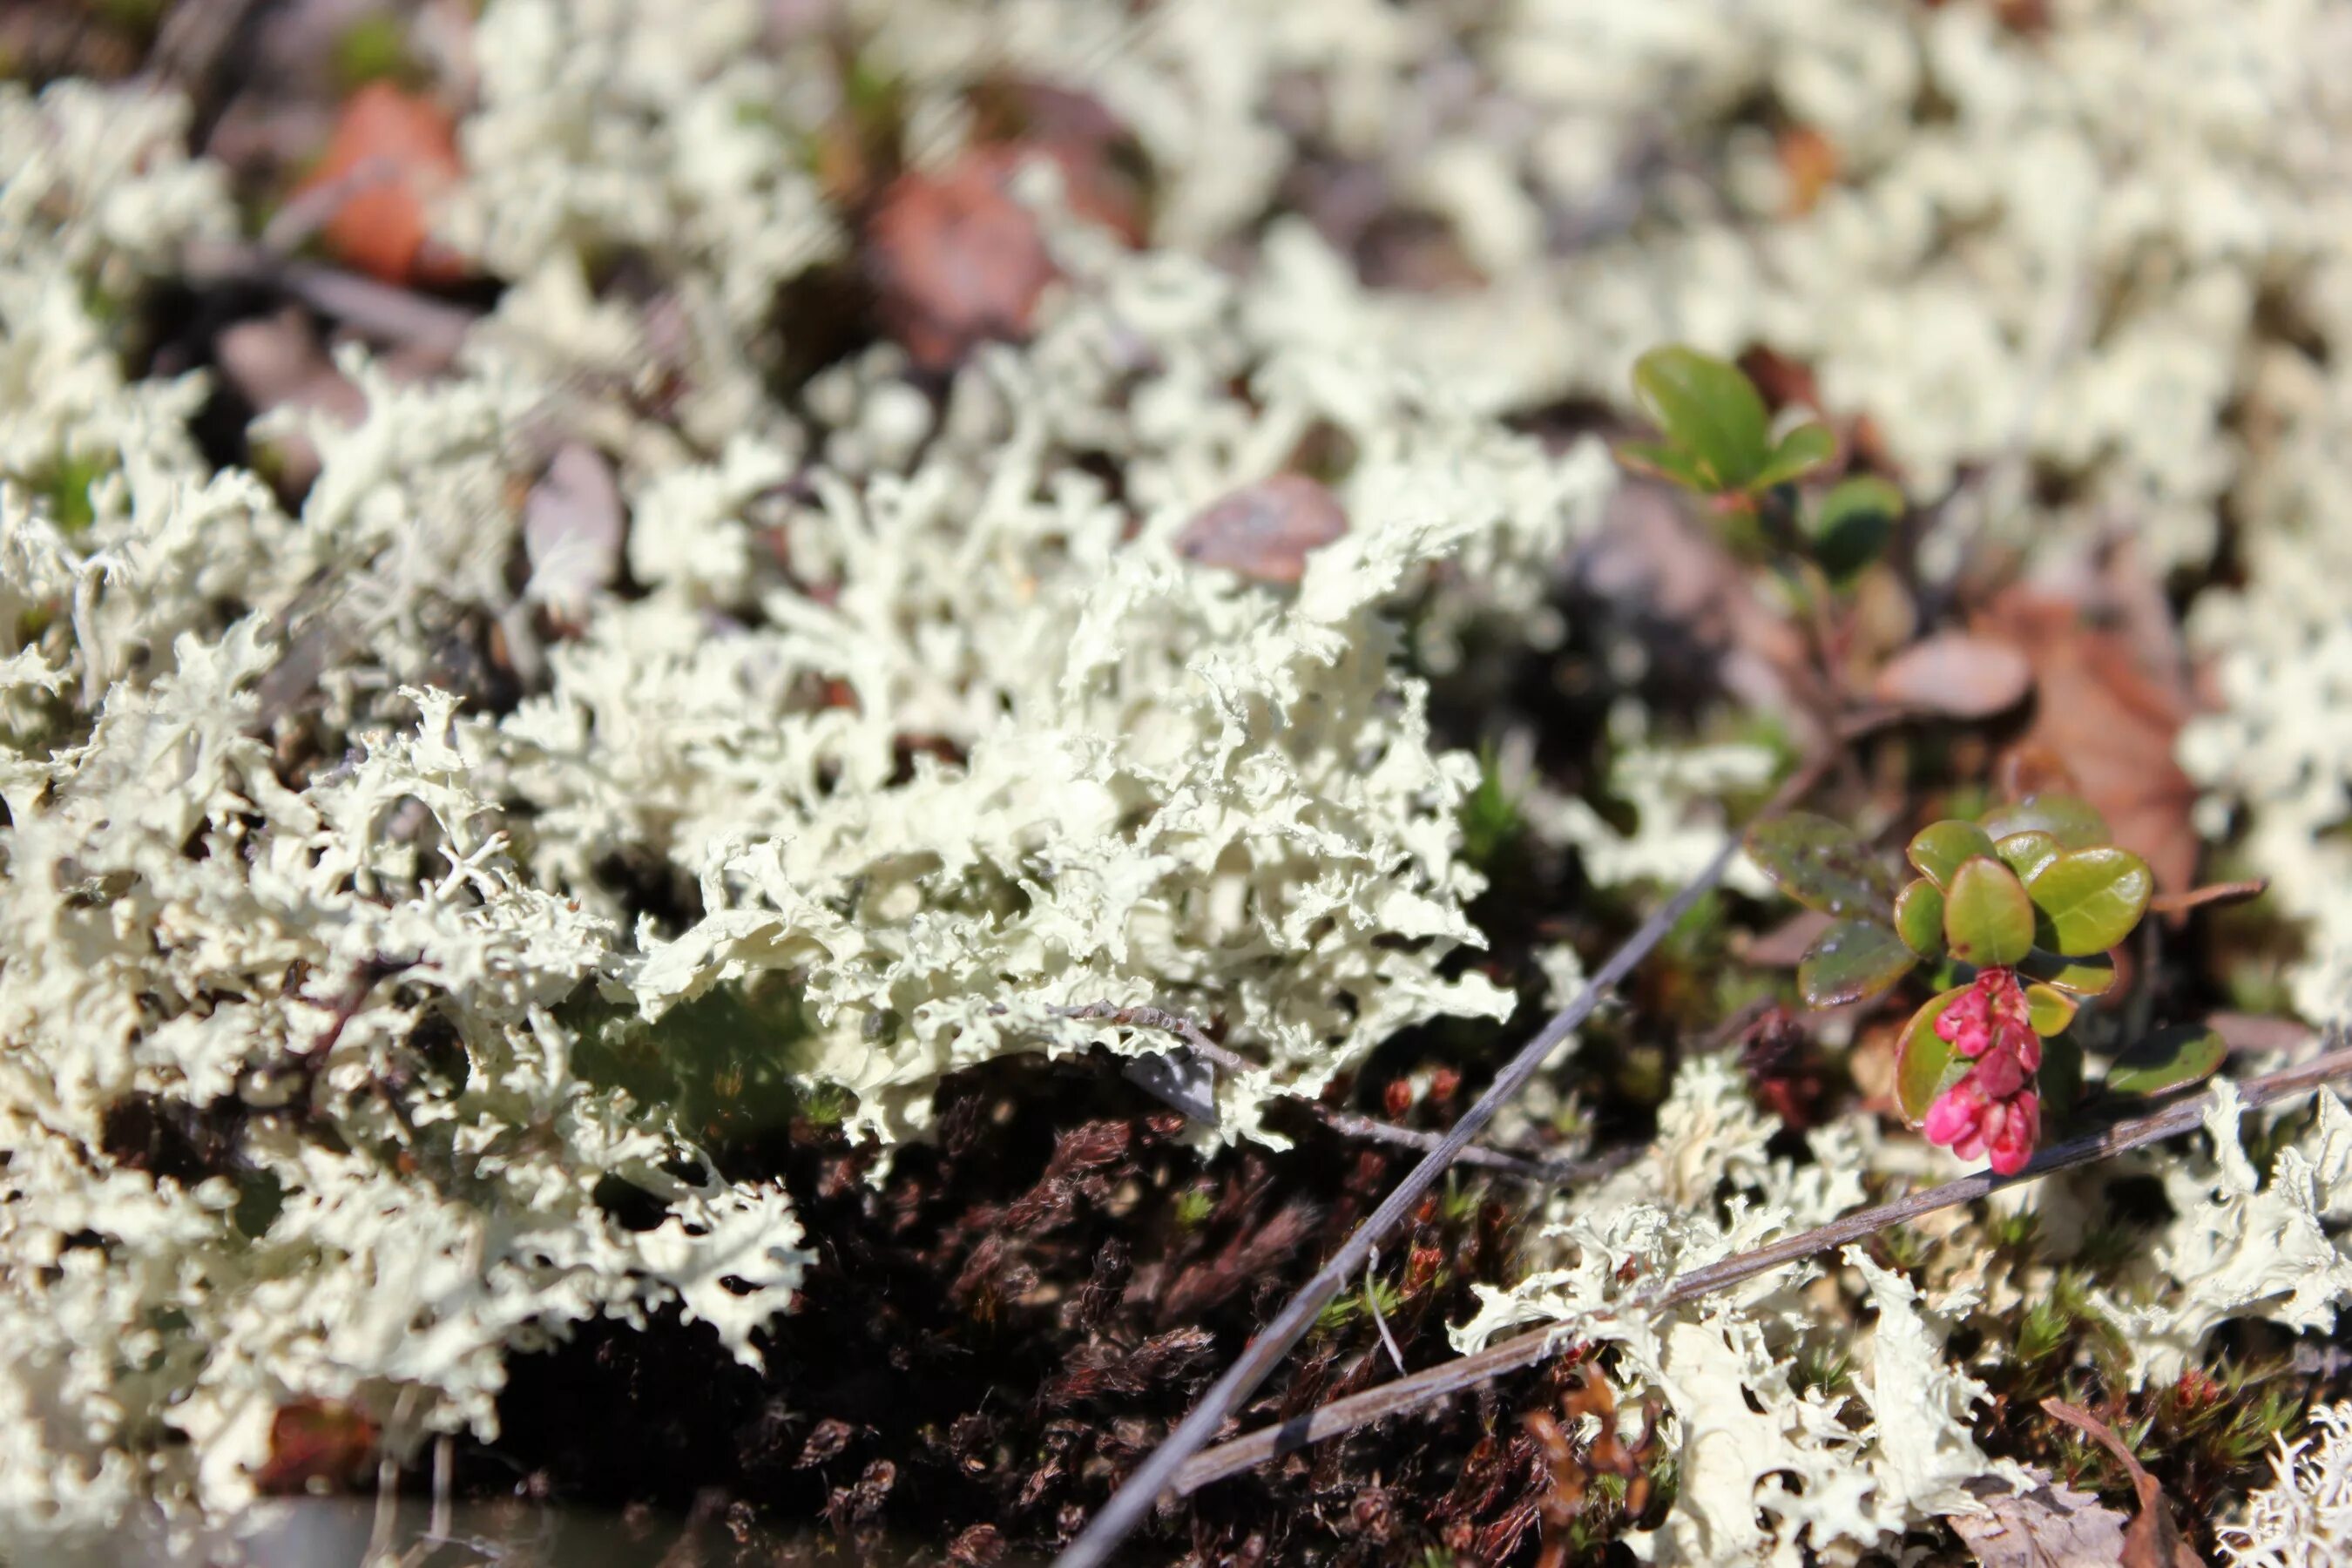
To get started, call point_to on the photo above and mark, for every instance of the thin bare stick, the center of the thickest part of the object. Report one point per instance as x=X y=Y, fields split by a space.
x=1425 y=1388
x=1379 y=1321
x=1127 y=1505
x=1551 y=1173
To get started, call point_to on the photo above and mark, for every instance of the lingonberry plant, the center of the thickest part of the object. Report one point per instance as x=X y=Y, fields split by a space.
x=1714 y=439
x=2020 y=912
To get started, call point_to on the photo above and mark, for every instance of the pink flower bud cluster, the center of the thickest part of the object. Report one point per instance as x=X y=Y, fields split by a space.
x=1993 y=1113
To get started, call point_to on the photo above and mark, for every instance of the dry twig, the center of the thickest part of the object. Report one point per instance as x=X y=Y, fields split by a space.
x=1126 y=1507
x=1424 y=1388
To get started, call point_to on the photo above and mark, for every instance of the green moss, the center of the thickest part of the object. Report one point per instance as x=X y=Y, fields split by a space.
x=66 y=484
x=1492 y=825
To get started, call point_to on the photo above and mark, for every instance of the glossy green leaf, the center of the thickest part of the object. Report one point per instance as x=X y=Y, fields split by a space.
x=1939 y=848
x=1709 y=407
x=1800 y=451
x=2075 y=822
x=2091 y=975
x=1988 y=919
x=2026 y=853
x=1919 y=917
x=1852 y=524
x=1823 y=866
x=2048 y=1009
x=1924 y=1065
x=1667 y=462
x=2168 y=1058
x=2087 y=902
x=1852 y=960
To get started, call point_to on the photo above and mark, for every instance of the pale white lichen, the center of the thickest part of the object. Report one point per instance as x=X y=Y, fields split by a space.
x=2239 y=1244
x=1765 y=1468
x=2303 y=1519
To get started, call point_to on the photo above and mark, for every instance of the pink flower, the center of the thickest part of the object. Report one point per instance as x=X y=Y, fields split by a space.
x=2011 y=1146
x=1994 y=1112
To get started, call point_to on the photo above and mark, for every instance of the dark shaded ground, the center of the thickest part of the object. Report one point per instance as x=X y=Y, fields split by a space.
x=994 y=1334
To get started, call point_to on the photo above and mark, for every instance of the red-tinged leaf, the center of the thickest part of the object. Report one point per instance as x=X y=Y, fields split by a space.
x=2170 y=1058
x=1988 y=919
x=1939 y=848
x=1265 y=530
x=1822 y=865
x=1956 y=675
x=392 y=155
x=1853 y=959
x=1925 y=1066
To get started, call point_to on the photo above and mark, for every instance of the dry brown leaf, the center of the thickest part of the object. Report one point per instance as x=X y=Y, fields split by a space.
x=956 y=260
x=2107 y=720
x=2049 y=1527
x=1264 y=531
x=2152 y=1539
x=392 y=153
x=1957 y=675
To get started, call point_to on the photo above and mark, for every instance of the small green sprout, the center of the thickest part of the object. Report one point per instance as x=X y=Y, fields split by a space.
x=1714 y=434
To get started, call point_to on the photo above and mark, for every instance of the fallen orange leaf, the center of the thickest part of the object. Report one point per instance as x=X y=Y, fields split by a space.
x=392 y=153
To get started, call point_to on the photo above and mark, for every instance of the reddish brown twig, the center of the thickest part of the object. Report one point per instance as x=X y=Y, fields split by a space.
x=2211 y=893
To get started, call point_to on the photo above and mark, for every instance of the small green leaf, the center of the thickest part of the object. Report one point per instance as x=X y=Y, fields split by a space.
x=1925 y=1066
x=2075 y=822
x=1988 y=919
x=1939 y=848
x=2048 y=1009
x=1821 y=865
x=2168 y=1058
x=1666 y=462
x=2026 y=853
x=1709 y=407
x=1919 y=917
x=1800 y=451
x=1852 y=960
x=2090 y=975
x=1854 y=524
x=2087 y=902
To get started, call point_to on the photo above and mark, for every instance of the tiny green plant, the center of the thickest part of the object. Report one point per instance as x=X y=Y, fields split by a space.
x=2021 y=910
x=1715 y=439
